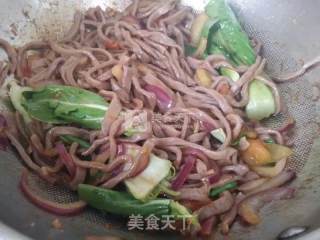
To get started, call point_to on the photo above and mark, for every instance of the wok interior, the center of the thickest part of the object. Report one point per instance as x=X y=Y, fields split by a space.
x=284 y=45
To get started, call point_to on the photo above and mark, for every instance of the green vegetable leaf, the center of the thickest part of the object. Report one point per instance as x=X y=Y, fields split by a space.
x=261 y=101
x=64 y=104
x=143 y=184
x=208 y=28
x=269 y=141
x=16 y=97
x=182 y=213
x=71 y=139
x=233 y=75
x=219 y=134
x=121 y=203
x=189 y=50
x=215 y=192
x=229 y=37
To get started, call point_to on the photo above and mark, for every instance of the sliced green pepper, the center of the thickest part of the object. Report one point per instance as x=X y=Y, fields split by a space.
x=122 y=203
x=69 y=139
x=269 y=140
x=214 y=192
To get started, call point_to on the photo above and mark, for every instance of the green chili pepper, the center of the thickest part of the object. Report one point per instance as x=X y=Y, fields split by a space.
x=269 y=140
x=214 y=192
x=71 y=139
x=122 y=203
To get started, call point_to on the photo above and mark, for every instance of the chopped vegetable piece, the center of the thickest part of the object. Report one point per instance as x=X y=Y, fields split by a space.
x=261 y=101
x=71 y=139
x=189 y=50
x=230 y=73
x=201 y=48
x=163 y=187
x=117 y=72
x=249 y=133
x=256 y=154
x=203 y=77
x=182 y=175
x=229 y=36
x=141 y=185
x=267 y=171
x=219 y=134
x=182 y=213
x=215 y=192
x=196 y=28
x=124 y=204
x=17 y=98
x=164 y=100
x=278 y=151
x=269 y=140
x=136 y=124
x=243 y=144
x=207 y=28
x=65 y=104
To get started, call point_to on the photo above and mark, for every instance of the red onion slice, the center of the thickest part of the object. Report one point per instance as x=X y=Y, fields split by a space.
x=63 y=209
x=66 y=159
x=195 y=152
x=206 y=126
x=207 y=226
x=184 y=172
x=214 y=178
x=120 y=149
x=164 y=101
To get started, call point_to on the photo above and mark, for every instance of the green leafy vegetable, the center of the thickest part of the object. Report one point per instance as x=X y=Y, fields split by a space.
x=71 y=139
x=189 y=50
x=269 y=140
x=261 y=101
x=64 y=104
x=163 y=187
x=233 y=75
x=196 y=28
x=16 y=96
x=219 y=134
x=207 y=28
x=215 y=192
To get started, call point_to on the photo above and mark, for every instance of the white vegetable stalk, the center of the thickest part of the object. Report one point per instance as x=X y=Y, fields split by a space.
x=219 y=134
x=143 y=184
x=15 y=94
x=261 y=101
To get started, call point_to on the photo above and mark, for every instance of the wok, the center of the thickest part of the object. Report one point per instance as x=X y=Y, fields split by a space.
x=290 y=33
